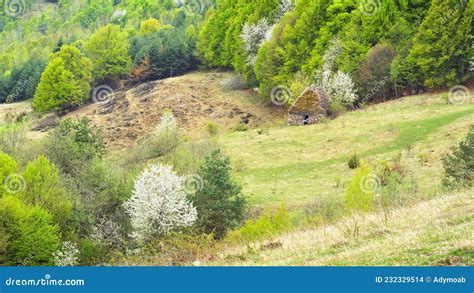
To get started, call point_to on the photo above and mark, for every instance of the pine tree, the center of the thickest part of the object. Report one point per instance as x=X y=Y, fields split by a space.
x=443 y=43
x=219 y=203
x=459 y=165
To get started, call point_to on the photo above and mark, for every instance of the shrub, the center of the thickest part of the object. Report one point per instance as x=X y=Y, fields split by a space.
x=212 y=128
x=174 y=249
x=336 y=108
x=108 y=50
x=32 y=238
x=459 y=164
x=7 y=166
x=253 y=36
x=299 y=83
x=67 y=256
x=354 y=162
x=241 y=127
x=362 y=189
x=12 y=137
x=188 y=157
x=99 y=190
x=159 y=203
x=268 y=224
x=164 y=139
x=219 y=202
x=43 y=188
x=73 y=145
x=65 y=83
x=234 y=83
x=90 y=252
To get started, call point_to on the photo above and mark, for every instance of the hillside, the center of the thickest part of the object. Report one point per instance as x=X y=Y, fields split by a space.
x=195 y=99
x=156 y=132
x=300 y=165
x=437 y=232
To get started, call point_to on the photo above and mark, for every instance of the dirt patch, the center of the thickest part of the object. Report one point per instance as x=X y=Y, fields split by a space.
x=195 y=99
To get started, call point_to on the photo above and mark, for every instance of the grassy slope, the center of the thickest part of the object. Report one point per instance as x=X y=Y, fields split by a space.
x=434 y=232
x=298 y=165
x=301 y=165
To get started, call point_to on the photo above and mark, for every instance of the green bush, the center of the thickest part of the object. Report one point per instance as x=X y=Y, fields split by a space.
x=188 y=157
x=268 y=224
x=7 y=167
x=12 y=137
x=32 y=238
x=212 y=128
x=219 y=203
x=362 y=189
x=73 y=145
x=164 y=139
x=459 y=164
x=241 y=127
x=354 y=162
x=373 y=75
x=43 y=188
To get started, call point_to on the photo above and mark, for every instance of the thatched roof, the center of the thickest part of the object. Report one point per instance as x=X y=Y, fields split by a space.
x=313 y=100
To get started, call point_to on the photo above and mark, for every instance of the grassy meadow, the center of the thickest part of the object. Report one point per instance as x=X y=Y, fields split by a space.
x=297 y=165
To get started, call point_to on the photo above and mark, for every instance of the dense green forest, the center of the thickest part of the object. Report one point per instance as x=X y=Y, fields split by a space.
x=66 y=200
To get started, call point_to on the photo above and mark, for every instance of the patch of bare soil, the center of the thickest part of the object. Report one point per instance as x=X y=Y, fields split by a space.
x=195 y=99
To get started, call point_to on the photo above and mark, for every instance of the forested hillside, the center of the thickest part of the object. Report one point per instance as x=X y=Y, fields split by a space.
x=156 y=132
x=392 y=46
x=112 y=36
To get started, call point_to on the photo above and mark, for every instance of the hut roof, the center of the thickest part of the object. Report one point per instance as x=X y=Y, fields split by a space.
x=313 y=100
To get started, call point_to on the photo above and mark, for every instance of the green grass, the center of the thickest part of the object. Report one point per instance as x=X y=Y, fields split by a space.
x=297 y=165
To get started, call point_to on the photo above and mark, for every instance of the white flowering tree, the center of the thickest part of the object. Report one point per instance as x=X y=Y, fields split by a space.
x=67 y=256
x=336 y=83
x=283 y=8
x=159 y=204
x=253 y=35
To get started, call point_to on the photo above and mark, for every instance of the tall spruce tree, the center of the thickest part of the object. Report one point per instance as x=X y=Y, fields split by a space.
x=442 y=46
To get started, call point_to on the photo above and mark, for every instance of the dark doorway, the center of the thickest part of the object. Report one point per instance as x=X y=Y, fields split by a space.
x=306 y=120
